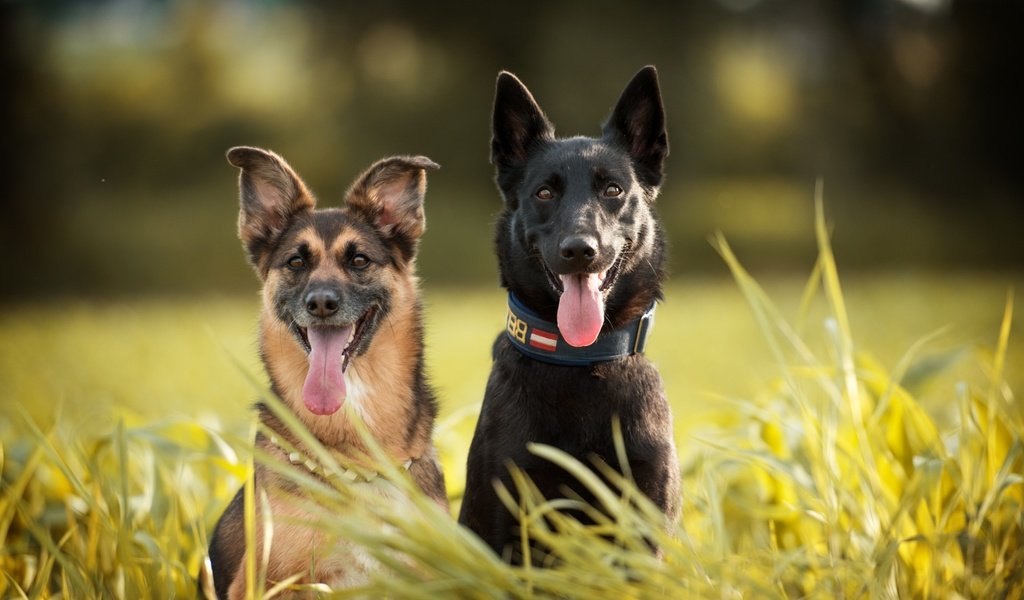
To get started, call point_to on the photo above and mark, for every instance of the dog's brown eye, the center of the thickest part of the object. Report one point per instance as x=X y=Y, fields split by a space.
x=544 y=194
x=359 y=261
x=296 y=263
x=612 y=191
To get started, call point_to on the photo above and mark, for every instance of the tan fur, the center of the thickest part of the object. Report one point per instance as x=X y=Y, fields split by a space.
x=271 y=193
x=384 y=376
x=388 y=191
x=299 y=547
x=386 y=370
x=381 y=382
x=339 y=243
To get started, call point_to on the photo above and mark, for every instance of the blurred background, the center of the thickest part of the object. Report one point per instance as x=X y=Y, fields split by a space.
x=117 y=115
x=125 y=283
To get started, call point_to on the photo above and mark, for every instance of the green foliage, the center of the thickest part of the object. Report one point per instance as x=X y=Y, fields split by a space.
x=843 y=485
x=119 y=515
x=834 y=481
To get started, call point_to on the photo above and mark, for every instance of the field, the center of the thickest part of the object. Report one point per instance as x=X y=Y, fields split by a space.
x=194 y=357
x=123 y=431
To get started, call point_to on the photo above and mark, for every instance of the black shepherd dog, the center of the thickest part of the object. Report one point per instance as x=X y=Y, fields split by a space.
x=581 y=254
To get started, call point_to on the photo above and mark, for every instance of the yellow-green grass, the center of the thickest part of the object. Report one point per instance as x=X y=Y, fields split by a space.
x=91 y=361
x=809 y=469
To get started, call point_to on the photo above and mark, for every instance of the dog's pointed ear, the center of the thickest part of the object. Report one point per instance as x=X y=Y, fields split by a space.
x=390 y=194
x=637 y=124
x=271 y=194
x=517 y=122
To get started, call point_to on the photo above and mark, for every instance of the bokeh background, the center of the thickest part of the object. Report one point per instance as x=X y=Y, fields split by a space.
x=124 y=283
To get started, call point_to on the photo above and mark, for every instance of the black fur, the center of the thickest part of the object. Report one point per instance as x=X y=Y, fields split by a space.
x=572 y=408
x=227 y=546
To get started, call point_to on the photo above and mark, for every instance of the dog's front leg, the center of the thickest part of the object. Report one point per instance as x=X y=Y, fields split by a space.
x=658 y=479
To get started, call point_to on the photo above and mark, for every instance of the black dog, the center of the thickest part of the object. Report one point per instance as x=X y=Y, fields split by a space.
x=581 y=254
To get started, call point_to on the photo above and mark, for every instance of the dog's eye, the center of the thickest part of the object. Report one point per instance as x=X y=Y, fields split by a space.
x=544 y=193
x=296 y=263
x=359 y=261
x=612 y=191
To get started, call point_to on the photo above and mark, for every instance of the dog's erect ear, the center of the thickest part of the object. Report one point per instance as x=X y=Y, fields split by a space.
x=390 y=196
x=271 y=194
x=637 y=124
x=517 y=122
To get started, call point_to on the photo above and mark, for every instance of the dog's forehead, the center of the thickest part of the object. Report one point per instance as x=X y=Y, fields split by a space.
x=330 y=223
x=582 y=157
x=330 y=229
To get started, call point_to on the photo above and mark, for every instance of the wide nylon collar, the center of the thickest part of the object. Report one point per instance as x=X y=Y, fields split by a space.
x=540 y=340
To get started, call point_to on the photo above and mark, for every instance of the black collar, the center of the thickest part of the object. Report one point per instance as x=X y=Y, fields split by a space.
x=540 y=340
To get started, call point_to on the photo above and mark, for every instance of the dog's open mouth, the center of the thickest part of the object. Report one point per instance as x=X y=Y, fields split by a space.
x=329 y=349
x=581 y=300
x=607 y=277
x=358 y=331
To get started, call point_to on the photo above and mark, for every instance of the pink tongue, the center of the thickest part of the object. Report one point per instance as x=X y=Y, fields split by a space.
x=324 y=389
x=580 y=309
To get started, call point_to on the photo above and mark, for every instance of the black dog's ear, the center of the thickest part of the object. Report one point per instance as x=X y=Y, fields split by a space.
x=638 y=124
x=517 y=122
x=271 y=195
x=390 y=194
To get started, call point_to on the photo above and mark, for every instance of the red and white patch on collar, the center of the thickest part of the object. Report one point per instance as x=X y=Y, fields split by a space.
x=543 y=340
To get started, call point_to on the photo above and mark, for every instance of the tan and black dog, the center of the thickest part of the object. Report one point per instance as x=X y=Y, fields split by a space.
x=341 y=323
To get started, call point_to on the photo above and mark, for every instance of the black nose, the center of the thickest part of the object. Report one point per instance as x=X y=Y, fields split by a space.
x=577 y=252
x=322 y=302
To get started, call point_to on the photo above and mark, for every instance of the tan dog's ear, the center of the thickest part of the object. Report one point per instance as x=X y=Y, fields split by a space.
x=271 y=194
x=389 y=195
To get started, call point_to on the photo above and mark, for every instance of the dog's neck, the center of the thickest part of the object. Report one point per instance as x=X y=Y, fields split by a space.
x=540 y=339
x=339 y=466
x=382 y=384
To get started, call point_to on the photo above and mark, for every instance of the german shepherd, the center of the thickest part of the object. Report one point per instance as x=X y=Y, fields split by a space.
x=581 y=254
x=341 y=322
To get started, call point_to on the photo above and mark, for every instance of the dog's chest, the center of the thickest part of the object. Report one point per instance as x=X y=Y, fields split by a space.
x=359 y=392
x=322 y=552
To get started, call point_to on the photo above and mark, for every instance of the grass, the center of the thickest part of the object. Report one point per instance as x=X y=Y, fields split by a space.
x=810 y=469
